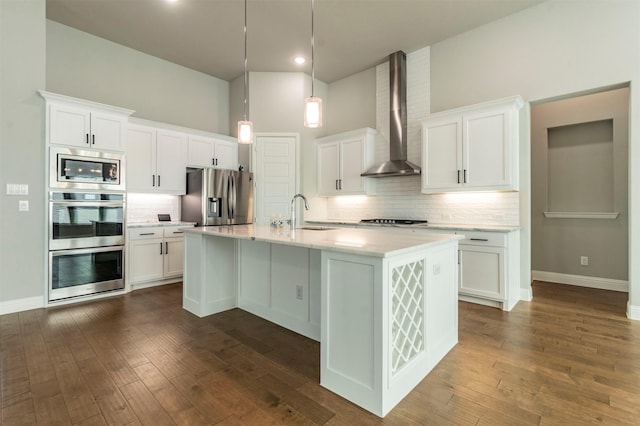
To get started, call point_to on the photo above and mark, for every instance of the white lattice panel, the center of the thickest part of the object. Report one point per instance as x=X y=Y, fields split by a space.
x=407 y=313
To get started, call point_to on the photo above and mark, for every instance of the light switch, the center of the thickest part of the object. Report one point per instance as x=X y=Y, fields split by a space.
x=23 y=205
x=17 y=189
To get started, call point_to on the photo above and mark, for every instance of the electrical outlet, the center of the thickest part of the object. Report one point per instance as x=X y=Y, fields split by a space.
x=436 y=269
x=23 y=205
x=584 y=260
x=299 y=292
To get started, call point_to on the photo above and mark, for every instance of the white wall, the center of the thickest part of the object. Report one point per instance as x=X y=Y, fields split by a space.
x=89 y=67
x=352 y=102
x=22 y=73
x=548 y=51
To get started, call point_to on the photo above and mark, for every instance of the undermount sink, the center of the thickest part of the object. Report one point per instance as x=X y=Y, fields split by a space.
x=316 y=228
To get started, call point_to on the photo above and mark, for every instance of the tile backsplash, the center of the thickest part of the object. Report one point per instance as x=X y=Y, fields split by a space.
x=145 y=207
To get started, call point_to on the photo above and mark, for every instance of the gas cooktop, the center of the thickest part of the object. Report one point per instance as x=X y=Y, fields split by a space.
x=394 y=221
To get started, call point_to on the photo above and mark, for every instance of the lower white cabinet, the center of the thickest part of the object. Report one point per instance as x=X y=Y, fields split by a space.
x=489 y=268
x=155 y=256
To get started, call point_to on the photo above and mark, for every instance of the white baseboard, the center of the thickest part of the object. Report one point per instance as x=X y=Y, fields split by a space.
x=633 y=312
x=526 y=294
x=582 y=281
x=19 y=305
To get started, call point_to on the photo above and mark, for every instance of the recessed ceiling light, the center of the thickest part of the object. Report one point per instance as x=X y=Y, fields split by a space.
x=300 y=60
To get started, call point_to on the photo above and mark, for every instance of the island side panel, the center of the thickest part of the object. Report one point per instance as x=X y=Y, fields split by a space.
x=210 y=274
x=351 y=334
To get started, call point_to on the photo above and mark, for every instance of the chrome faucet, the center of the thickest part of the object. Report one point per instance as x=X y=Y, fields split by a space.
x=292 y=221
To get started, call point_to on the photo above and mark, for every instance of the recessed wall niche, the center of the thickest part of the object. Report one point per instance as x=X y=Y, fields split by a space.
x=581 y=167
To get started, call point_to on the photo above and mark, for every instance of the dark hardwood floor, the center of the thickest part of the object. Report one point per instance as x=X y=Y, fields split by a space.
x=570 y=357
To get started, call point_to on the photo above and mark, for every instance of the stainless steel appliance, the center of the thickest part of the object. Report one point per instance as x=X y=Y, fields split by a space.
x=85 y=219
x=393 y=222
x=87 y=271
x=85 y=169
x=86 y=243
x=218 y=197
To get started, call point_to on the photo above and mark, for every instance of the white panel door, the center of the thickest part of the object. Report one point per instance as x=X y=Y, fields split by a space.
x=351 y=166
x=226 y=155
x=275 y=175
x=200 y=152
x=328 y=163
x=171 y=162
x=69 y=126
x=141 y=159
x=485 y=150
x=441 y=160
x=108 y=131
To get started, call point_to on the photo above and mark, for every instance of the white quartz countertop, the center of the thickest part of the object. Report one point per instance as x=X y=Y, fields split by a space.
x=147 y=224
x=378 y=242
x=435 y=226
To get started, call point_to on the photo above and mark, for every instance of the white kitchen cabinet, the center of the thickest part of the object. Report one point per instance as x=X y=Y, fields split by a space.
x=489 y=268
x=156 y=160
x=85 y=124
x=219 y=152
x=472 y=148
x=341 y=158
x=155 y=256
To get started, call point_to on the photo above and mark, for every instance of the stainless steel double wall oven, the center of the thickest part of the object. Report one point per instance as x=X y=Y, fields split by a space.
x=86 y=223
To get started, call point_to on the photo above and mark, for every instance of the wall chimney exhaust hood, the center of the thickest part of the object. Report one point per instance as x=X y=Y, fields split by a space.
x=397 y=164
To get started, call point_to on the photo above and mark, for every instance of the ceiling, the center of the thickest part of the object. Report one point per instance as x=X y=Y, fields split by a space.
x=207 y=35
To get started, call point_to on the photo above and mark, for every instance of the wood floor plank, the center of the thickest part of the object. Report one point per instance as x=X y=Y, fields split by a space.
x=569 y=357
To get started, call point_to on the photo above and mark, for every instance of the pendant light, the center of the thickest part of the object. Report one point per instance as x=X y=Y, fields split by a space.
x=312 y=104
x=245 y=127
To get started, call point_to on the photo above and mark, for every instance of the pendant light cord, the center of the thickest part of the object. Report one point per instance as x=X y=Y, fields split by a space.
x=245 y=60
x=313 y=69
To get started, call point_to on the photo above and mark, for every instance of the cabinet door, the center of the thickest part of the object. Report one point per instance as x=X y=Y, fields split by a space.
x=173 y=257
x=482 y=271
x=328 y=163
x=171 y=162
x=442 y=155
x=201 y=151
x=486 y=150
x=226 y=155
x=69 y=126
x=351 y=166
x=141 y=154
x=107 y=131
x=146 y=260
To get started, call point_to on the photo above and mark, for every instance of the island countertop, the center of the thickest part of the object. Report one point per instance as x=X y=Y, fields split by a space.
x=371 y=242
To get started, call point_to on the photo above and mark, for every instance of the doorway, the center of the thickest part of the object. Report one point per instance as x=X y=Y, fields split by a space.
x=579 y=190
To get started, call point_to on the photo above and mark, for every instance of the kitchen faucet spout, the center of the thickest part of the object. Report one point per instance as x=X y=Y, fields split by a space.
x=292 y=221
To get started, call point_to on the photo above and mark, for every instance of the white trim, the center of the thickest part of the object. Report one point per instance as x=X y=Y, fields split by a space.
x=633 y=312
x=19 y=305
x=526 y=294
x=582 y=281
x=581 y=215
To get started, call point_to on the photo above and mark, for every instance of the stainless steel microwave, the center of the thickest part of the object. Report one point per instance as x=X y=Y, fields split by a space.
x=84 y=169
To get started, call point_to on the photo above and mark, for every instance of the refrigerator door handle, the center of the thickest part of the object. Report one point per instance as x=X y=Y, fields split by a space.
x=233 y=198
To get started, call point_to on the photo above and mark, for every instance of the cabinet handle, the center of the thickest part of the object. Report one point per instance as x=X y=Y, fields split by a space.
x=458 y=257
x=161 y=248
x=458 y=175
x=153 y=180
x=177 y=232
x=87 y=137
x=337 y=185
x=93 y=139
x=216 y=161
x=166 y=247
x=465 y=176
x=147 y=233
x=479 y=239
x=213 y=161
x=158 y=181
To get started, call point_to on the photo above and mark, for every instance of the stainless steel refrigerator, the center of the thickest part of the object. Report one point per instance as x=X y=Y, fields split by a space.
x=218 y=197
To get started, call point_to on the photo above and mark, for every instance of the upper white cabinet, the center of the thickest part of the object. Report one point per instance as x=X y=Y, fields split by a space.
x=473 y=148
x=220 y=152
x=156 y=160
x=79 y=123
x=341 y=158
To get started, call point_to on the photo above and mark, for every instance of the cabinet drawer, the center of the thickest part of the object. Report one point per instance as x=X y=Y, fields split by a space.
x=145 y=233
x=173 y=231
x=479 y=238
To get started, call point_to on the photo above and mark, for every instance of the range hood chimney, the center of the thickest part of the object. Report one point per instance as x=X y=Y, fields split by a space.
x=397 y=164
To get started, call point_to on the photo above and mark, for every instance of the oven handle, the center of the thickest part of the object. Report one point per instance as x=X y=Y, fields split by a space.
x=86 y=250
x=87 y=203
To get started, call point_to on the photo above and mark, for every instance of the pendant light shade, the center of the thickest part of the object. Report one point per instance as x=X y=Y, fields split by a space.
x=312 y=104
x=245 y=127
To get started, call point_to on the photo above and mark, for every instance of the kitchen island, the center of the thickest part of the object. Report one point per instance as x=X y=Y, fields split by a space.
x=382 y=304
